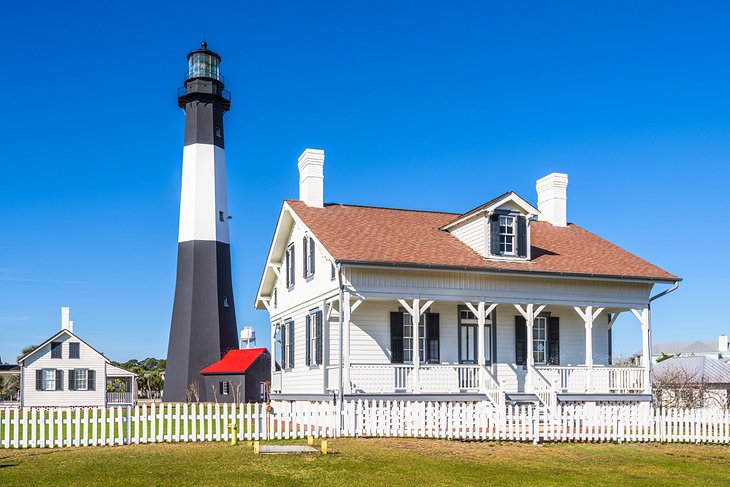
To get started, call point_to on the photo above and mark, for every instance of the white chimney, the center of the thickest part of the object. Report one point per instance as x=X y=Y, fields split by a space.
x=66 y=323
x=311 y=177
x=552 y=199
x=722 y=344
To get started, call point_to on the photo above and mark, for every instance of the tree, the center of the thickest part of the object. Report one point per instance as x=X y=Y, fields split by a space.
x=663 y=357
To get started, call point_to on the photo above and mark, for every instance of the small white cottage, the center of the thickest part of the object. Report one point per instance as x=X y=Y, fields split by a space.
x=66 y=371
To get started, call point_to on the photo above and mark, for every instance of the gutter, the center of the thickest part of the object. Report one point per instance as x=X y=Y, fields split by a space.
x=496 y=270
x=341 y=351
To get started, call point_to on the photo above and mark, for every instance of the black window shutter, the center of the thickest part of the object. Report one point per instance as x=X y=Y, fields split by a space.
x=553 y=336
x=59 y=380
x=305 y=254
x=220 y=388
x=293 y=266
x=284 y=358
x=318 y=357
x=311 y=256
x=72 y=380
x=290 y=327
x=396 y=337
x=91 y=380
x=432 y=335
x=521 y=236
x=39 y=380
x=520 y=340
x=494 y=234
x=307 y=335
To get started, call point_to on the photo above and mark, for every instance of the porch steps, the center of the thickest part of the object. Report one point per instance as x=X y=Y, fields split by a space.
x=522 y=398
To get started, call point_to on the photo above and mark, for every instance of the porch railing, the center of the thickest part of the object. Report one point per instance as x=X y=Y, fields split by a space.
x=389 y=378
x=276 y=381
x=616 y=380
x=119 y=398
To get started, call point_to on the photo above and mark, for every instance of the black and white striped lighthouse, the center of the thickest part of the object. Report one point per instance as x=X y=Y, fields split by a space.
x=203 y=317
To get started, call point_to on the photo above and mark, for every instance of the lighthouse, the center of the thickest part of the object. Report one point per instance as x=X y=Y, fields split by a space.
x=203 y=326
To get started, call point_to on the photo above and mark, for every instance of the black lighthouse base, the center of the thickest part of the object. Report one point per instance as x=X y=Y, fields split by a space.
x=203 y=325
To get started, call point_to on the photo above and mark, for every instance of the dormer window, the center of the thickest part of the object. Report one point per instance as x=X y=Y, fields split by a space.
x=507 y=235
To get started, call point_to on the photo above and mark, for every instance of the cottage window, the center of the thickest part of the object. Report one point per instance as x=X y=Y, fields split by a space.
x=225 y=388
x=539 y=340
x=290 y=265
x=314 y=337
x=308 y=263
x=56 y=349
x=287 y=345
x=81 y=378
x=73 y=350
x=49 y=379
x=507 y=235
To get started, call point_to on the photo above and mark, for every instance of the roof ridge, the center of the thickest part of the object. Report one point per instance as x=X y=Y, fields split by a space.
x=383 y=208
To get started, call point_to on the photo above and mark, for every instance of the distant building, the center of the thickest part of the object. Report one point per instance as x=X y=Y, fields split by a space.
x=718 y=349
x=240 y=376
x=692 y=382
x=66 y=371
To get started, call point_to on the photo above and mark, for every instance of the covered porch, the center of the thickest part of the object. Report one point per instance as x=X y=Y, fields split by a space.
x=121 y=387
x=495 y=348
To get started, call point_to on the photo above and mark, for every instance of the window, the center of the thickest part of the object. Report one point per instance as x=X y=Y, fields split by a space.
x=220 y=216
x=506 y=235
x=225 y=388
x=226 y=304
x=408 y=338
x=274 y=298
x=81 y=379
x=73 y=350
x=469 y=338
x=56 y=349
x=218 y=132
x=308 y=262
x=49 y=379
x=287 y=345
x=290 y=266
x=539 y=340
x=314 y=337
x=333 y=273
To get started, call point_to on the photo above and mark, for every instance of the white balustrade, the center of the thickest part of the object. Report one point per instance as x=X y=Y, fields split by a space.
x=432 y=378
x=119 y=398
x=604 y=379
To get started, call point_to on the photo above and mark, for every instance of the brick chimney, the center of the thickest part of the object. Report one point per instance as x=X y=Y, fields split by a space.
x=311 y=177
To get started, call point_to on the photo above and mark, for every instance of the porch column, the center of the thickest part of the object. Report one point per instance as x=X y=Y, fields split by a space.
x=589 y=316
x=644 y=317
x=481 y=311
x=416 y=310
x=346 y=312
x=529 y=312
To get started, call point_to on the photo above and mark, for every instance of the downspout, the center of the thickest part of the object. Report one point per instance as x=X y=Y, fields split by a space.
x=341 y=393
x=657 y=296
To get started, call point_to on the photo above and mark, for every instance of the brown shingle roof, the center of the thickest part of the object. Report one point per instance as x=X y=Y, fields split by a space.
x=413 y=238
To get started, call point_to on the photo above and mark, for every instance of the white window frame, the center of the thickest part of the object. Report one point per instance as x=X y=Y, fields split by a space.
x=225 y=388
x=313 y=338
x=408 y=338
x=539 y=339
x=507 y=238
x=79 y=384
x=51 y=380
x=290 y=266
x=309 y=257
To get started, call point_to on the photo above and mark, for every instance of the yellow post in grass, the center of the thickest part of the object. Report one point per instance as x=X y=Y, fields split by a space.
x=310 y=440
x=256 y=447
x=324 y=447
x=234 y=434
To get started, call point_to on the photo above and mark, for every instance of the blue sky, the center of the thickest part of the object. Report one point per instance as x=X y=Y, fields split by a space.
x=417 y=104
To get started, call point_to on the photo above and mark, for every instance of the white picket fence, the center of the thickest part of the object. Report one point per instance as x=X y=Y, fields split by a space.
x=63 y=427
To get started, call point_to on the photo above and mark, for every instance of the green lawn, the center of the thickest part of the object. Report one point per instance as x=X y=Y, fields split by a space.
x=373 y=462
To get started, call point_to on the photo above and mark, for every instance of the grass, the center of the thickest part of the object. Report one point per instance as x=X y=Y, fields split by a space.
x=371 y=462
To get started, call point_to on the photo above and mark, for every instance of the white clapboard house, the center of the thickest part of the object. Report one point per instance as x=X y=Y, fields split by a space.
x=505 y=302
x=66 y=371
